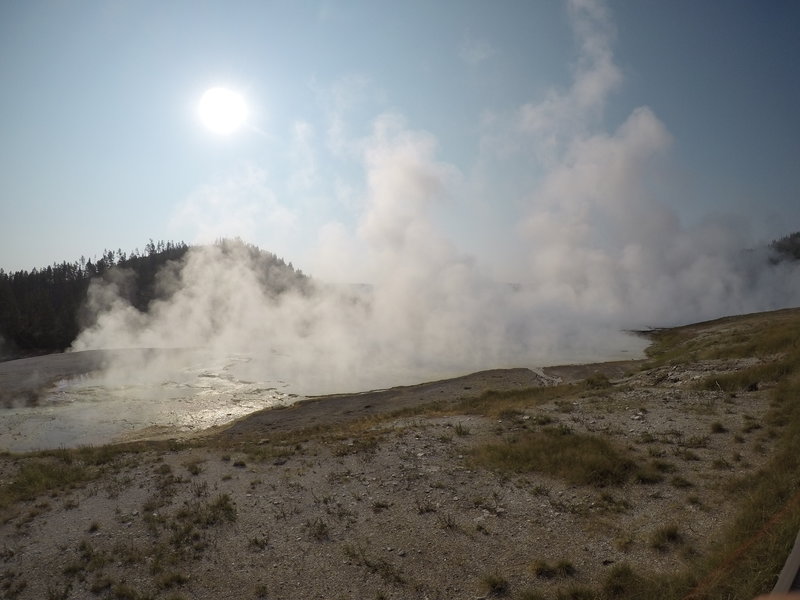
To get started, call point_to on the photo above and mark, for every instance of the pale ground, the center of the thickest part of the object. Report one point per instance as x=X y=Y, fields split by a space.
x=396 y=512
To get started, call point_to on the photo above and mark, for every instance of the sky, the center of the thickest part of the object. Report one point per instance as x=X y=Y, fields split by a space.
x=490 y=118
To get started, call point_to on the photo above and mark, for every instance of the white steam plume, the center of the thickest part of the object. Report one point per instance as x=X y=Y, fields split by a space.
x=599 y=254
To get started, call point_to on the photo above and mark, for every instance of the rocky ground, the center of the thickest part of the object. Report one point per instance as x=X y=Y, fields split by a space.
x=394 y=507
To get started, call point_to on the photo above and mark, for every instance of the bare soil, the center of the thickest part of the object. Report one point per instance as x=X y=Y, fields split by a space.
x=394 y=507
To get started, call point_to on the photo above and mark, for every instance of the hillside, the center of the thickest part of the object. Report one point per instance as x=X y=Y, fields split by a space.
x=672 y=477
x=43 y=310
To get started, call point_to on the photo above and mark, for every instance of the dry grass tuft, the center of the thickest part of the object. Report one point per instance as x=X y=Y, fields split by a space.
x=581 y=459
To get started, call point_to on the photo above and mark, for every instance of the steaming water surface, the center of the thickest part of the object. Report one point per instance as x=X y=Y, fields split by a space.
x=100 y=396
x=94 y=400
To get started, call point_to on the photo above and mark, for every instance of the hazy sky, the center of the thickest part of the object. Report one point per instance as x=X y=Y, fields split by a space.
x=101 y=147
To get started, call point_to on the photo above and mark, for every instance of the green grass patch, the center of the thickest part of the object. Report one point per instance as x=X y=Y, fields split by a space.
x=759 y=335
x=578 y=458
x=36 y=477
x=492 y=403
x=752 y=377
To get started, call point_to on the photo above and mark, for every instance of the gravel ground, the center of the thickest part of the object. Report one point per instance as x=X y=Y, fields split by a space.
x=395 y=509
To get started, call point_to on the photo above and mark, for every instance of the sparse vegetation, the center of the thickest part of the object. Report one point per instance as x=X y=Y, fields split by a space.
x=318 y=530
x=598 y=381
x=533 y=475
x=666 y=536
x=496 y=585
x=381 y=567
x=461 y=430
x=717 y=427
x=546 y=570
x=577 y=458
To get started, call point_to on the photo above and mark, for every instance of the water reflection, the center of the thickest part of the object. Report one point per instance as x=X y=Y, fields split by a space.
x=53 y=402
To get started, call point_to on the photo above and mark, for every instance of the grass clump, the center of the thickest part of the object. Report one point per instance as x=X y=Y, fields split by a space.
x=666 y=536
x=42 y=476
x=379 y=566
x=170 y=579
x=205 y=514
x=318 y=530
x=622 y=581
x=546 y=570
x=578 y=458
x=598 y=381
x=461 y=430
x=367 y=444
x=717 y=427
x=496 y=585
x=492 y=403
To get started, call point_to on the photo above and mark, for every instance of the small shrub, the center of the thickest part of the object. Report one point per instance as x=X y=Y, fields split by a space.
x=564 y=568
x=447 y=521
x=686 y=454
x=717 y=427
x=621 y=581
x=648 y=475
x=576 y=592
x=664 y=466
x=681 y=483
x=122 y=591
x=318 y=530
x=259 y=543
x=367 y=445
x=101 y=584
x=170 y=580
x=461 y=430
x=543 y=569
x=664 y=536
x=564 y=406
x=750 y=426
x=194 y=467
x=423 y=506
x=496 y=585
x=261 y=591
x=598 y=381
x=697 y=441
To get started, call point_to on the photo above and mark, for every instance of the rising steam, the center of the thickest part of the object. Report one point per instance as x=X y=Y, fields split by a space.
x=595 y=252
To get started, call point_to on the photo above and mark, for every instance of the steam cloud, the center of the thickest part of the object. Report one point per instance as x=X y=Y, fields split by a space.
x=595 y=253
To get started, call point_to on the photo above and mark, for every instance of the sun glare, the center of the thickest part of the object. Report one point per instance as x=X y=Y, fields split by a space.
x=222 y=111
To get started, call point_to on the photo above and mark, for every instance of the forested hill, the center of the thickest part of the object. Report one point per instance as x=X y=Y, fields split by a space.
x=787 y=248
x=42 y=310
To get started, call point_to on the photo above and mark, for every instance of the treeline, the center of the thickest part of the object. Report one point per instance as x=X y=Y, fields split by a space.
x=40 y=309
x=43 y=310
x=787 y=247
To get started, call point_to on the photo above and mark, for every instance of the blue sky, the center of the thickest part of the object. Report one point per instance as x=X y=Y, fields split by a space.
x=101 y=146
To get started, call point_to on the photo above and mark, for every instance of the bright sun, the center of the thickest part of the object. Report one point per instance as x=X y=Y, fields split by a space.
x=222 y=110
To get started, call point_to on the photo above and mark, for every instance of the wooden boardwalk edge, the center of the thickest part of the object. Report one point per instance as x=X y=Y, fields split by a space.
x=789 y=579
